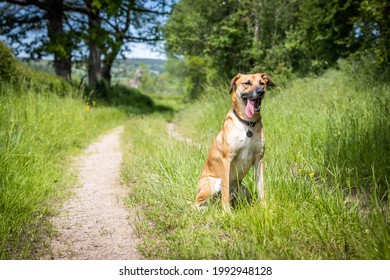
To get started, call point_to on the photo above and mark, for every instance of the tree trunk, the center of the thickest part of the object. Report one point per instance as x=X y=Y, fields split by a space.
x=94 y=68
x=106 y=70
x=109 y=59
x=60 y=46
x=95 y=51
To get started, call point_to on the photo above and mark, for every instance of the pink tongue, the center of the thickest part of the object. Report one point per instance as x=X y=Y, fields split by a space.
x=250 y=108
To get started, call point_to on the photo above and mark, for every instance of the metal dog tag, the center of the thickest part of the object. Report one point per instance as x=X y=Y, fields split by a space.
x=249 y=133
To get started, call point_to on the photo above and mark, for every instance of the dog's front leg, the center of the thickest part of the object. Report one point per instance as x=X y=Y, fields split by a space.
x=259 y=178
x=226 y=185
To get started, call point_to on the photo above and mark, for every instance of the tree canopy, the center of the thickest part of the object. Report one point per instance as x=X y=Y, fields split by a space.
x=282 y=36
x=72 y=30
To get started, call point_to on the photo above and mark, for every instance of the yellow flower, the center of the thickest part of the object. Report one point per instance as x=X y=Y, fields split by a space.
x=311 y=174
x=87 y=108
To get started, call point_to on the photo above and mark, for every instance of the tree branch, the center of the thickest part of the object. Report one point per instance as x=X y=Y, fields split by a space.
x=141 y=39
x=142 y=10
x=37 y=3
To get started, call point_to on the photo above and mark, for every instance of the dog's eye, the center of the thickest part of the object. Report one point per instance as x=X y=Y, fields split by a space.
x=262 y=83
x=248 y=83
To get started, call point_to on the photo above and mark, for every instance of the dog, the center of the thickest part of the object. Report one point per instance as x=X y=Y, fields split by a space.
x=239 y=145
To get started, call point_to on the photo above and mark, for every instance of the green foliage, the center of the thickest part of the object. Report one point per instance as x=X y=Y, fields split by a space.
x=119 y=95
x=9 y=66
x=129 y=100
x=324 y=32
x=209 y=28
x=14 y=72
x=373 y=30
x=280 y=37
x=167 y=81
x=197 y=69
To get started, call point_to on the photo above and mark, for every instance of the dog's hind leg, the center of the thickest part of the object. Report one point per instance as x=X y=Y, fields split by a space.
x=207 y=187
x=226 y=186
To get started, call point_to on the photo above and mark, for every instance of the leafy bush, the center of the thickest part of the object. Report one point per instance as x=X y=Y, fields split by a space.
x=13 y=71
x=129 y=99
x=9 y=65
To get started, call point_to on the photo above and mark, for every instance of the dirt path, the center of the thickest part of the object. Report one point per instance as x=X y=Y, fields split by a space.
x=94 y=223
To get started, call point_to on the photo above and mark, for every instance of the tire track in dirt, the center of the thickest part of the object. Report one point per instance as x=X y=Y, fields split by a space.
x=172 y=132
x=94 y=223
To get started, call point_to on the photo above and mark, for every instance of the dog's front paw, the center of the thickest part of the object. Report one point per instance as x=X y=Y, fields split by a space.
x=226 y=209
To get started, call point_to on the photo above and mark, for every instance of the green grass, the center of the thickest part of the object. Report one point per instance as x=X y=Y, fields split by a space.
x=327 y=176
x=38 y=132
x=327 y=167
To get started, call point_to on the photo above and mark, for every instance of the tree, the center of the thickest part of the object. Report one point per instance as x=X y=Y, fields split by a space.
x=18 y=17
x=110 y=26
x=322 y=34
x=100 y=27
x=372 y=29
x=281 y=36
x=130 y=21
x=94 y=40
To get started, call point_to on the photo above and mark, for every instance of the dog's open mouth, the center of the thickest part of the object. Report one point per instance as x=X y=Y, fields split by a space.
x=252 y=106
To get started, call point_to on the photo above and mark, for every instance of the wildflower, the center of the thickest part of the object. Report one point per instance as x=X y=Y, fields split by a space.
x=311 y=174
x=87 y=108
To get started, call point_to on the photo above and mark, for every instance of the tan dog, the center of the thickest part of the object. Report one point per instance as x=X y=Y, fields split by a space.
x=239 y=145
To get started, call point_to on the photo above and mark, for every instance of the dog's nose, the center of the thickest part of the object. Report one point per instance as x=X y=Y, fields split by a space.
x=260 y=92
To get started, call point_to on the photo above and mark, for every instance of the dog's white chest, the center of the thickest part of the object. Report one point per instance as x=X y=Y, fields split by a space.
x=245 y=150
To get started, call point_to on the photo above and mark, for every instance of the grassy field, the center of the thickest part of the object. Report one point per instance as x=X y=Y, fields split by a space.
x=327 y=166
x=43 y=122
x=327 y=172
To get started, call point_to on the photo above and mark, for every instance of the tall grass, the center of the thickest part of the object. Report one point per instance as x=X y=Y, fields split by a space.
x=323 y=201
x=38 y=130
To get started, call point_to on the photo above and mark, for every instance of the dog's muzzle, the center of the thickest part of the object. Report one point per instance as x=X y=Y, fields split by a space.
x=256 y=104
x=255 y=98
x=260 y=92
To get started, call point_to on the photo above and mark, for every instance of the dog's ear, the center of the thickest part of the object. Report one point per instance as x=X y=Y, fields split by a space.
x=232 y=83
x=267 y=80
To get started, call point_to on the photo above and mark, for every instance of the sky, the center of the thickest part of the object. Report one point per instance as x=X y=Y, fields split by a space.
x=141 y=50
x=138 y=50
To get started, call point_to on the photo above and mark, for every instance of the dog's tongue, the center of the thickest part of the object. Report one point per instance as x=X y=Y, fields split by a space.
x=250 y=108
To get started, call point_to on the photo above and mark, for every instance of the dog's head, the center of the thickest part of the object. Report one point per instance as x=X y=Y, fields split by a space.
x=248 y=92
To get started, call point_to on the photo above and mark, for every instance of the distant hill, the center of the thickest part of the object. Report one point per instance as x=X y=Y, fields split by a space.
x=155 y=66
x=123 y=69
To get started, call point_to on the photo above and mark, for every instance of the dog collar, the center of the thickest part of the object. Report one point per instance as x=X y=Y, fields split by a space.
x=249 y=133
x=248 y=123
